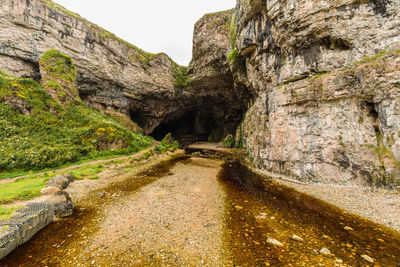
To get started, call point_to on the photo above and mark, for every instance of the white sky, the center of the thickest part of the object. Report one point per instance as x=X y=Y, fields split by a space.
x=153 y=25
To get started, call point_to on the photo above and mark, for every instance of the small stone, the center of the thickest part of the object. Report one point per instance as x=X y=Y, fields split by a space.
x=348 y=228
x=340 y=261
x=274 y=242
x=238 y=207
x=367 y=258
x=101 y=194
x=261 y=216
x=297 y=238
x=325 y=252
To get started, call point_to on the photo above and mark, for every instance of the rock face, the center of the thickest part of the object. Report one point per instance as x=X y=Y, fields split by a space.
x=117 y=76
x=211 y=79
x=325 y=76
x=112 y=74
x=316 y=81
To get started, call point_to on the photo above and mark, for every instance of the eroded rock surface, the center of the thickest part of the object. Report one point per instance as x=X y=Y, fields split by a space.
x=324 y=84
x=327 y=88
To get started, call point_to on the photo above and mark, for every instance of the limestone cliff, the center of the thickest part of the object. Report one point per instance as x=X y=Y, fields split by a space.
x=325 y=76
x=112 y=73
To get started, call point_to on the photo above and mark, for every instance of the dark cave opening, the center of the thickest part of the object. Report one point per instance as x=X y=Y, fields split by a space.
x=193 y=126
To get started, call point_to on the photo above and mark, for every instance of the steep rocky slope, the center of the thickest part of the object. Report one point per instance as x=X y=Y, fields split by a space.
x=115 y=75
x=112 y=73
x=326 y=79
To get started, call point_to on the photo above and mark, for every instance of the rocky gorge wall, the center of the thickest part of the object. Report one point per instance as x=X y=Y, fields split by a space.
x=313 y=84
x=325 y=80
x=114 y=75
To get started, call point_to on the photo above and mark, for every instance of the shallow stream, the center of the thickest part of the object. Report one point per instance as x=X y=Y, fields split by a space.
x=256 y=210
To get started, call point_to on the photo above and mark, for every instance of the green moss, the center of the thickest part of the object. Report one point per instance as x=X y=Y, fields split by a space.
x=47 y=139
x=369 y=59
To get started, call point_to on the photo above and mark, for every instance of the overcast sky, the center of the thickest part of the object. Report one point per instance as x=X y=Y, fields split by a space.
x=153 y=25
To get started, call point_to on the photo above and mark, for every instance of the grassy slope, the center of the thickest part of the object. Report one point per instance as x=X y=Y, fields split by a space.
x=53 y=135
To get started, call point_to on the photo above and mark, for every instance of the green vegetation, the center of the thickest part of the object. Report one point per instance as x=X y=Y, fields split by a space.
x=232 y=31
x=167 y=144
x=21 y=189
x=181 y=77
x=59 y=76
x=56 y=62
x=375 y=57
x=229 y=141
x=87 y=171
x=50 y=135
x=369 y=59
x=236 y=60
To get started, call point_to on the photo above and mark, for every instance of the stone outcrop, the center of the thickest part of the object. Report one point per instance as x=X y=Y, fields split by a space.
x=326 y=79
x=112 y=74
x=211 y=79
x=116 y=76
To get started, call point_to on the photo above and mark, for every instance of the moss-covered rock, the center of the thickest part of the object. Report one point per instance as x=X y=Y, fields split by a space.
x=59 y=77
x=37 y=131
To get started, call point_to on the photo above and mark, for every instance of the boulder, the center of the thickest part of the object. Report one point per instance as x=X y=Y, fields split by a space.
x=50 y=191
x=59 y=181
x=63 y=205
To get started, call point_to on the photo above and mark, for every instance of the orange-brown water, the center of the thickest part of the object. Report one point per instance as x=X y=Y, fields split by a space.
x=289 y=213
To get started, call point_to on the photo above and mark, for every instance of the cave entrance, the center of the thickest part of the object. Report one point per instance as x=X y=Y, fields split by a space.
x=193 y=126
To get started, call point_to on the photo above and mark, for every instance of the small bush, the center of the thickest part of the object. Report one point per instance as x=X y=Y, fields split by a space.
x=236 y=60
x=167 y=144
x=181 y=77
x=229 y=141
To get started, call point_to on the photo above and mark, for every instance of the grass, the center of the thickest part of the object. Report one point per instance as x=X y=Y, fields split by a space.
x=22 y=189
x=232 y=31
x=52 y=135
x=87 y=171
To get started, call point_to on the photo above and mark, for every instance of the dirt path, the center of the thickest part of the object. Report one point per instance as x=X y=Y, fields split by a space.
x=81 y=164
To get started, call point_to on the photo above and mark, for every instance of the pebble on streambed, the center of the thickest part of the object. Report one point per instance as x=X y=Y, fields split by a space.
x=274 y=242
